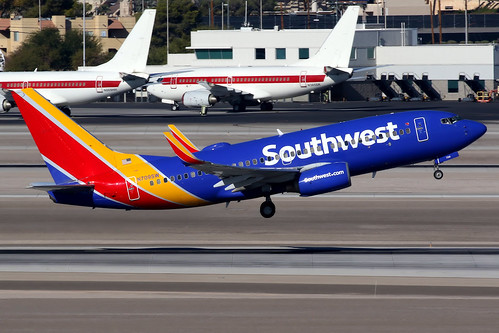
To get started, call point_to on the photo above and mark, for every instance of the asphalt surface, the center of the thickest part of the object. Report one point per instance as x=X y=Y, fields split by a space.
x=272 y=292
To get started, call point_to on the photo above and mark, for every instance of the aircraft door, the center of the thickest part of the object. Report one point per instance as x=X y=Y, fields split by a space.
x=303 y=79
x=98 y=84
x=421 y=130
x=173 y=82
x=132 y=189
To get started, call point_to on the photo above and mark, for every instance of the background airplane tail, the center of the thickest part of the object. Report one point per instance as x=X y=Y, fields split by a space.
x=336 y=49
x=71 y=154
x=132 y=55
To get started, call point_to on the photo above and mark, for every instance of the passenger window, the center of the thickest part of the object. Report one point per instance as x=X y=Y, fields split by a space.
x=158 y=181
x=255 y=162
x=262 y=160
x=401 y=132
x=247 y=163
x=151 y=183
x=193 y=174
x=241 y=164
x=408 y=130
x=298 y=152
x=186 y=176
x=172 y=178
x=200 y=173
x=179 y=177
x=331 y=145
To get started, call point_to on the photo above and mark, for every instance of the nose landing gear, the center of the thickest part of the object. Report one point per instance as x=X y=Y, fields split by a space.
x=438 y=174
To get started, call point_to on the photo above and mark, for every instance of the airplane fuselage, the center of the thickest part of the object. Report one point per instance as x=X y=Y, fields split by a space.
x=364 y=146
x=264 y=83
x=63 y=88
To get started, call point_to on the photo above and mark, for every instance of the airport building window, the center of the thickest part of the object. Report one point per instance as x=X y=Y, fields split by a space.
x=280 y=53
x=353 y=54
x=214 y=54
x=370 y=53
x=453 y=86
x=259 y=53
x=303 y=53
x=16 y=36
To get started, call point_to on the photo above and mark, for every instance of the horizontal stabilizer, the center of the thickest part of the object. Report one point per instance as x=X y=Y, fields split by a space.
x=57 y=187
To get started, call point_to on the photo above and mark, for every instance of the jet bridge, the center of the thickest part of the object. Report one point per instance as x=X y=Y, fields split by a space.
x=384 y=85
x=474 y=83
x=427 y=87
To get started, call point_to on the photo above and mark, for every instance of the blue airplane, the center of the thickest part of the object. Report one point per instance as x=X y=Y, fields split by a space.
x=309 y=162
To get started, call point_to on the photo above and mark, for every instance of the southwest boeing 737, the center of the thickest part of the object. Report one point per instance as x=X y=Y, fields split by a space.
x=309 y=162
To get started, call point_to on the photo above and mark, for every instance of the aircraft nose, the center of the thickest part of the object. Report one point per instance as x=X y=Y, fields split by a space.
x=474 y=129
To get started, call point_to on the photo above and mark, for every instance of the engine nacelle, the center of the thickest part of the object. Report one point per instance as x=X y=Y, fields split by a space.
x=323 y=179
x=198 y=98
x=5 y=105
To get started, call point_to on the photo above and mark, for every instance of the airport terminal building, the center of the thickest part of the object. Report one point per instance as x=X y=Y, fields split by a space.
x=394 y=63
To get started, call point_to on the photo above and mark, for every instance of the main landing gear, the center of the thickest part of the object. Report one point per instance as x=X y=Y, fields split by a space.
x=267 y=208
x=266 y=106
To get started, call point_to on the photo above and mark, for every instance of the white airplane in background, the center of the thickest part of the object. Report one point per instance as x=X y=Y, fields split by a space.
x=125 y=71
x=243 y=86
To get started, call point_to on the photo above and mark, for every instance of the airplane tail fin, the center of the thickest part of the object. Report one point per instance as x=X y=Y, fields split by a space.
x=71 y=154
x=132 y=55
x=336 y=49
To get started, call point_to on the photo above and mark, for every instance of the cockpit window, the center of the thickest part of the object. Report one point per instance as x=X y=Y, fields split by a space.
x=451 y=120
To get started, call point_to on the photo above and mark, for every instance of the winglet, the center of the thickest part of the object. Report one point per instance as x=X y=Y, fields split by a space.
x=181 y=151
x=182 y=139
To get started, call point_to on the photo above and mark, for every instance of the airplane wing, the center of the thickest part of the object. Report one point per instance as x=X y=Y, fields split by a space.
x=228 y=94
x=58 y=187
x=233 y=177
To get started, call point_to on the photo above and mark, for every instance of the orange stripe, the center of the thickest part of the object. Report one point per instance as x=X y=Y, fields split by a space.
x=183 y=139
x=184 y=154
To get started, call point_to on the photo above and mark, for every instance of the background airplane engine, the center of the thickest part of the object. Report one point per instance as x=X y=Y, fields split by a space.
x=198 y=98
x=5 y=105
x=323 y=179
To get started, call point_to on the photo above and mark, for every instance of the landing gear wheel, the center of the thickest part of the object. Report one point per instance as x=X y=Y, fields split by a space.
x=438 y=174
x=267 y=209
x=266 y=106
x=238 y=108
x=175 y=106
x=66 y=110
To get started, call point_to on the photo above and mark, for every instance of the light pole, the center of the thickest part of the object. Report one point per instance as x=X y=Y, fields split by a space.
x=84 y=33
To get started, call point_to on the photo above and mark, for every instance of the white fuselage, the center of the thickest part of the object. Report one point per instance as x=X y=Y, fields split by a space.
x=258 y=83
x=68 y=88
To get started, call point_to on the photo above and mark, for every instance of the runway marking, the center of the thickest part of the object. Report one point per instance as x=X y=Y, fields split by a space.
x=337 y=196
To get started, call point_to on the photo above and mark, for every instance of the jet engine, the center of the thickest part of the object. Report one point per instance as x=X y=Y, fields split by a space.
x=323 y=179
x=5 y=105
x=198 y=98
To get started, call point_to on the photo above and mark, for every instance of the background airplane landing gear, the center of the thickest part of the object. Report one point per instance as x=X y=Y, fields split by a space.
x=66 y=110
x=266 y=106
x=267 y=208
x=204 y=111
x=175 y=106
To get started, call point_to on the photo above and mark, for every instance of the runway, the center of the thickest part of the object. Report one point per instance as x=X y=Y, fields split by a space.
x=245 y=273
